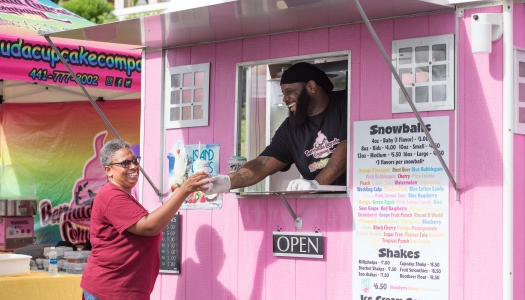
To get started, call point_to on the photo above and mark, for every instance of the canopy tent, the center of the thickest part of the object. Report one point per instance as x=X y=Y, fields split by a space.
x=108 y=71
x=55 y=142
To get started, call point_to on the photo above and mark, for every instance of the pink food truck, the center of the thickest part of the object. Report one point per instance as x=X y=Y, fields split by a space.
x=435 y=174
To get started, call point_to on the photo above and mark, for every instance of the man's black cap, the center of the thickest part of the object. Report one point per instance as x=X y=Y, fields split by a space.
x=304 y=72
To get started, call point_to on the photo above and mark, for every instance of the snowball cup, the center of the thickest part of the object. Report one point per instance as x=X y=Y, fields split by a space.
x=201 y=165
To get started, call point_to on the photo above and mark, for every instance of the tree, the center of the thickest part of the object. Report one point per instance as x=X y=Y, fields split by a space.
x=96 y=11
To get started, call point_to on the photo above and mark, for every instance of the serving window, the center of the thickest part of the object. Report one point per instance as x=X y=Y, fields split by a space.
x=260 y=109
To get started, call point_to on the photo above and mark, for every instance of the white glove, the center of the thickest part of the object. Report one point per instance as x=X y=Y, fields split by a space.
x=220 y=184
x=207 y=187
x=302 y=184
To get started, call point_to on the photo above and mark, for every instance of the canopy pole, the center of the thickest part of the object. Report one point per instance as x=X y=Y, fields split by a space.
x=402 y=87
x=75 y=78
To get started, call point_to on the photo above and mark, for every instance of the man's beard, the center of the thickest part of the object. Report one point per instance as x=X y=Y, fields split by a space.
x=301 y=107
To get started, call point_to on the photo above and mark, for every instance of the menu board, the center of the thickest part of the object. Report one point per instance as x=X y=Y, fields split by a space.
x=169 y=247
x=400 y=210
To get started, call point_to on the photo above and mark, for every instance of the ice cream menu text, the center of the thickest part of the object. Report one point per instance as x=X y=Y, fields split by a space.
x=400 y=210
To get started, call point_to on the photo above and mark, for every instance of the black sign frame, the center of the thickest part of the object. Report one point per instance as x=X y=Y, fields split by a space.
x=291 y=244
x=169 y=249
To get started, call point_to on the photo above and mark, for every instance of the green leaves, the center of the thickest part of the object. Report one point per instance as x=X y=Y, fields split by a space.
x=96 y=11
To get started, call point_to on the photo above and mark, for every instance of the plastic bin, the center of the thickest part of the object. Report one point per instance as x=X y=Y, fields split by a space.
x=76 y=256
x=12 y=264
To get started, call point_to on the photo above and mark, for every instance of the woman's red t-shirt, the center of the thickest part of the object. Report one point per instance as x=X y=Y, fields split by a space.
x=122 y=265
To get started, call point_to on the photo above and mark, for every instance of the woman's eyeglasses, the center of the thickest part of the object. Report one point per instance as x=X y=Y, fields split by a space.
x=126 y=163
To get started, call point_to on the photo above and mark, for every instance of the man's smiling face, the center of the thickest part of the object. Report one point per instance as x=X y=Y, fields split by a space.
x=297 y=99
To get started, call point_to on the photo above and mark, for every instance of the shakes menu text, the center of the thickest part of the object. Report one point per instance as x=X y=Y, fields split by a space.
x=400 y=210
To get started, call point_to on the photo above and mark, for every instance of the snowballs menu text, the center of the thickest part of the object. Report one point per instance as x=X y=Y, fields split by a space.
x=400 y=210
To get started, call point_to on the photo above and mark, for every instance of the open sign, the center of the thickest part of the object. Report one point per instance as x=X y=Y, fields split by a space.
x=298 y=245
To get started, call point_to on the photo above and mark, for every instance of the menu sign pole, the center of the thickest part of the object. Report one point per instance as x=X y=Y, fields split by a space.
x=400 y=210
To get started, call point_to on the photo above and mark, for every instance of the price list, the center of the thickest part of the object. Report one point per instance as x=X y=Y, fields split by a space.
x=400 y=210
x=169 y=247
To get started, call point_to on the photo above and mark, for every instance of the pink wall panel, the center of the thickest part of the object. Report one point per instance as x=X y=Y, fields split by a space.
x=481 y=171
x=280 y=272
x=253 y=246
x=440 y=24
x=174 y=286
x=199 y=233
x=519 y=25
x=338 y=228
x=256 y=49
x=284 y=45
x=152 y=140
x=225 y=220
x=227 y=253
x=313 y=41
x=519 y=176
x=519 y=220
x=404 y=28
x=375 y=103
x=312 y=272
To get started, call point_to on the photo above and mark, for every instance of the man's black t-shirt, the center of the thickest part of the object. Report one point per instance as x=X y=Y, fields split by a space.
x=310 y=144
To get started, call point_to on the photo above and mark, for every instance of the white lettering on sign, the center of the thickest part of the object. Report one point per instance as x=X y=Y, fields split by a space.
x=286 y=244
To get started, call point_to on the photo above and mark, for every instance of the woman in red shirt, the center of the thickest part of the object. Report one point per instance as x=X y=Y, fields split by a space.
x=125 y=238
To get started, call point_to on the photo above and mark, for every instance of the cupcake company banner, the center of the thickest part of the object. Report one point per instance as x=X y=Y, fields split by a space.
x=401 y=212
x=183 y=161
x=59 y=145
x=25 y=56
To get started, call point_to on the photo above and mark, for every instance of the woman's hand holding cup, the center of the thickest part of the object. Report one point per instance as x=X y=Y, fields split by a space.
x=199 y=181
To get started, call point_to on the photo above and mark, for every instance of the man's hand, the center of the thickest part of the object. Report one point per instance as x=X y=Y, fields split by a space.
x=207 y=187
x=220 y=184
x=302 y=184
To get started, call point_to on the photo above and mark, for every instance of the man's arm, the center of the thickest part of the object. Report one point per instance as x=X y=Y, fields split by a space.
x=256 y=170
x=336 y=166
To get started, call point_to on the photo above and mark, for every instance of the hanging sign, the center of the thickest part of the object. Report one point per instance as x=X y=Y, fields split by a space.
x=297 y=244
x=400 y=210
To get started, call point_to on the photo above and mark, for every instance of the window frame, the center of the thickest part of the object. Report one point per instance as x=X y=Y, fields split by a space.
x=519 y=56
x=449 y=103
x=238 y=107
x=204 y=121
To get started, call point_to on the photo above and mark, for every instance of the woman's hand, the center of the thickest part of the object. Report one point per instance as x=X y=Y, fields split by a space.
x=153 y=223
x=196 y=182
